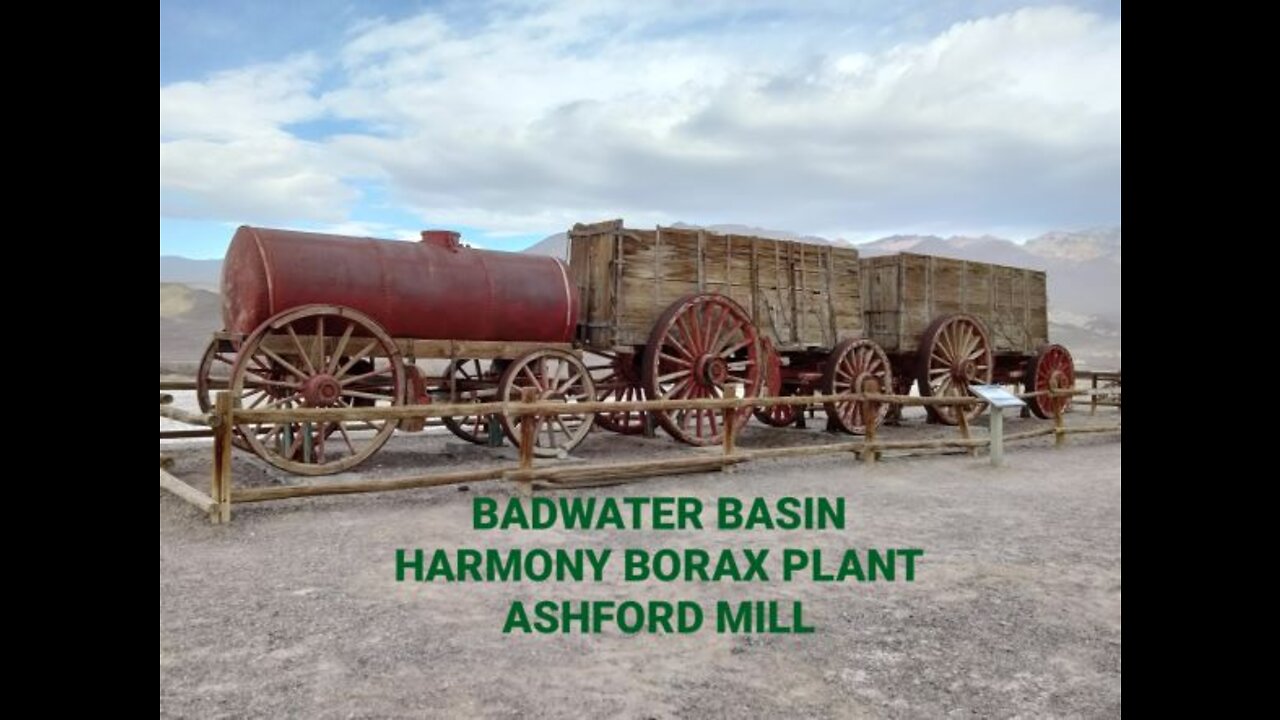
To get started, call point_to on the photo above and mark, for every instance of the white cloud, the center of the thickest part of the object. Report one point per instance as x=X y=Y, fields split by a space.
x=269 y=178
x=250 y=101
x=524 y=120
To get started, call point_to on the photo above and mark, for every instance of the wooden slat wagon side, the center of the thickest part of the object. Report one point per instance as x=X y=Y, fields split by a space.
x=684 y=313
x=949 y=323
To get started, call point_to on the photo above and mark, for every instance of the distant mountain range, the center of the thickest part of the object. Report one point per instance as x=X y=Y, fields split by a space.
x=1083 y=269
x=203 y=274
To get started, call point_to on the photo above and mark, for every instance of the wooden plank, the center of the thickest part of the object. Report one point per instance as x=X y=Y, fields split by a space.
x=185 y=492
x=1103 y=429
x=833 y=337
x=803 y=450
x=244 y=416
x=180 y=434
x=188 y=417
x=646 y=468
x=657 y=271
x=702 y=261
x=755 y=280
x=792 y=294
x=1039 y=432
x=177 y=382
x=605 y=226
x=475 y=348
x=243 y=495
x=585 y=252
x=616 y=298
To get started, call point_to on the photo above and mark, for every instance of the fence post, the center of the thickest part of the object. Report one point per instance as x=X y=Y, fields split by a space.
x=736 y=391
x=964 y=428
x=528 y=430
x=220 y=490
x=730 y=415
x=1059 y=433
x=869 y=411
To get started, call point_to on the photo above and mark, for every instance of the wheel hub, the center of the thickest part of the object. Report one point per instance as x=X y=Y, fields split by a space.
x=321 y=391
x=965 y=370
x=711 y=370
x=869 y=384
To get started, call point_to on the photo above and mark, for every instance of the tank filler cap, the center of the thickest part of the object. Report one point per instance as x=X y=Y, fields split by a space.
x=447 y=239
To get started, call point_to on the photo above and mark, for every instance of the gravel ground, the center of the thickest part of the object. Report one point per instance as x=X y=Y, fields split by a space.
x=293 y=609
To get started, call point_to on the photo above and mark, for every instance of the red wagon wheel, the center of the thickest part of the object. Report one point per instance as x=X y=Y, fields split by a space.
x=318 y=356
x=617 y=377
x=856 y=365
x=771 y=385
x=700 y=344
x=554 y=375
x=473 y=383
x=955 y=352
x=1051 y=369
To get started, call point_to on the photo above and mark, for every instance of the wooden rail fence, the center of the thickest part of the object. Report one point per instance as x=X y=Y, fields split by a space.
x=220 y=424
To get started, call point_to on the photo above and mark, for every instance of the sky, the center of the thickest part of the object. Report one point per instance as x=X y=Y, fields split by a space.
x=510 y=121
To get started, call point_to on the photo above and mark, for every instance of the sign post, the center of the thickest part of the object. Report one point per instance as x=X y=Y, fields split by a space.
x=999 y=399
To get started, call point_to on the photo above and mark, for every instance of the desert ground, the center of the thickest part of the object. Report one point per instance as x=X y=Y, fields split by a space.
x=293 y=609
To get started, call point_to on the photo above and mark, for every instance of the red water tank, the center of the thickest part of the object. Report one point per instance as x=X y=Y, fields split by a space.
x=432 y=289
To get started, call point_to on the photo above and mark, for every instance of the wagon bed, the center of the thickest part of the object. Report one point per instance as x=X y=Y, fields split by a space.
x=799 y=295
x=904 y=293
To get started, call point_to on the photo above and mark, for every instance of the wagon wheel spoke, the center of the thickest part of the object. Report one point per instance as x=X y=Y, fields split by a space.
x=332 y=365
x=302 y=352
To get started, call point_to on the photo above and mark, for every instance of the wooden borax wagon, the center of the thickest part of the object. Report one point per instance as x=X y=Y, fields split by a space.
x=685 y=313
x=947 y=324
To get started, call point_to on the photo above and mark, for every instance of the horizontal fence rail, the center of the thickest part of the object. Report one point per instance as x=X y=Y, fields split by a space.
x=220 y=425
